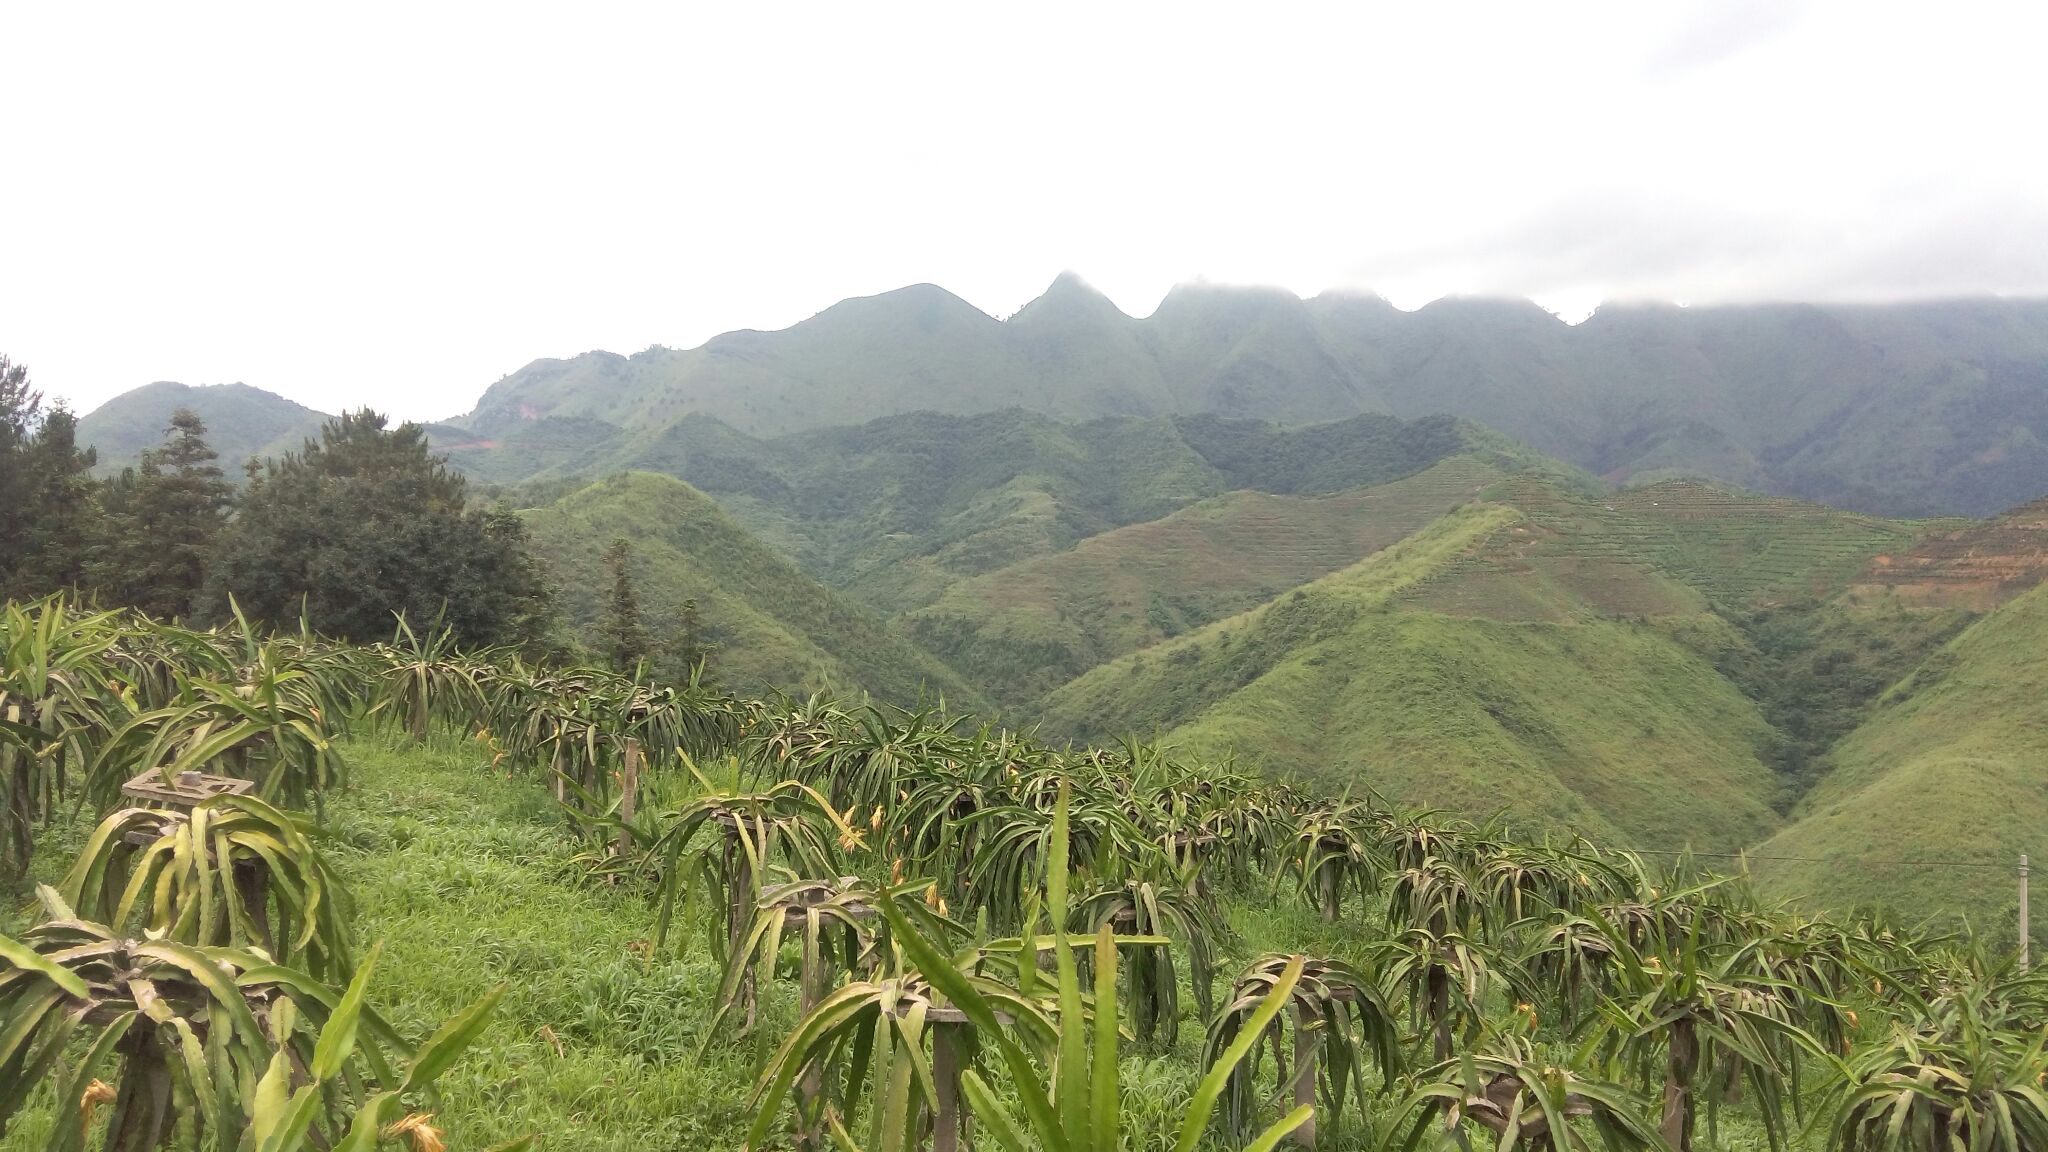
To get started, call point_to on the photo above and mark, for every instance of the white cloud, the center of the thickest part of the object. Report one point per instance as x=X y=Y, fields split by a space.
x=396 y=204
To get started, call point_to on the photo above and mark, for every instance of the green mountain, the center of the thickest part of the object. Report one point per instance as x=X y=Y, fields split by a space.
x=1422 y=674
x=775 y=628
x=240 y=422
x=1269 y=528
x=1920 y=409
x=1025 y=628
x=896 y=510
x=1946 y=773
x=1908 y=409
x=1671 y=666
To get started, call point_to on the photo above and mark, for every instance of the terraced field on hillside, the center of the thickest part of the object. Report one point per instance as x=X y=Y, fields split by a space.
x=1352 y=681
x=1975 y=565
x=1662 y=550
x=1738 y=546
x=1570 y=558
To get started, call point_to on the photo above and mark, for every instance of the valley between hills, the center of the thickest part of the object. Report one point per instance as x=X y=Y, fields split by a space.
x=1420 y=605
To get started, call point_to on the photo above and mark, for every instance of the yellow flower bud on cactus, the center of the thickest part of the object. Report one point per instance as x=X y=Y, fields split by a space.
x=420 y=1135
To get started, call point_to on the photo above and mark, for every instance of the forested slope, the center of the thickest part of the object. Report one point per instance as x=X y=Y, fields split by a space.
x=774 y=627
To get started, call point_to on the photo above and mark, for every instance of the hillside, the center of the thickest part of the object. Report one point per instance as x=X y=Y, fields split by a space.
x=1582 y=722
x=240 y=422
x=775 y=627
x=1918 y=409
x=1976 y=565
x=1024 y=629
x=895 y=510
x=1950 y=768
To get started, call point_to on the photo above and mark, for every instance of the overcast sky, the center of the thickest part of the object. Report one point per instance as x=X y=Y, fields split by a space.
x=398 y=204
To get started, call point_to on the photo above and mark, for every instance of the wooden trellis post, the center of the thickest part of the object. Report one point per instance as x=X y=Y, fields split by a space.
x=187 y=792
x=810 y=990
x=629 y=795
x=1307 y=1035
x=947 y=1026
x=2026 y=929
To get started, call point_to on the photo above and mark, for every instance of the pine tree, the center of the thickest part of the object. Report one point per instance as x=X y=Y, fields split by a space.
x=623 y=632
x=692 y=649
x=47 y=505
x=161 y=520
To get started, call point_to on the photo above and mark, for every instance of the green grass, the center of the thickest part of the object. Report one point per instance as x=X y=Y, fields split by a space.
x=1599 y=727
x=467 y=879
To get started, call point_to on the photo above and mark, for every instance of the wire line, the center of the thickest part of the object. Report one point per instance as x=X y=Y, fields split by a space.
x=1818 y=859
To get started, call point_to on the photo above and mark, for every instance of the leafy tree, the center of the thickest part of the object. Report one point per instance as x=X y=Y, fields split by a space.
x=529 y=612
x=366 y=523
x=20 y=414
x=623 y=631
x=46 y=491
x=161 y=522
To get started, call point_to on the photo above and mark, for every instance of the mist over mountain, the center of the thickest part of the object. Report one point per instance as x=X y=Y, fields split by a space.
x=1900 y=409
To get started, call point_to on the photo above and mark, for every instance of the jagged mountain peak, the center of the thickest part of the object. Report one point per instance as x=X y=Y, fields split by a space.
x=1068 y=298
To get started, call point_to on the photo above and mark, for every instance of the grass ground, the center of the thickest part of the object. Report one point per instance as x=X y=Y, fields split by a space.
x=468 y=879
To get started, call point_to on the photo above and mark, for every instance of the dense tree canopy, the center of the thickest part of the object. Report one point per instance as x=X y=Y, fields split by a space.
x=159 y=523
x=365 y=523
x=46 y=490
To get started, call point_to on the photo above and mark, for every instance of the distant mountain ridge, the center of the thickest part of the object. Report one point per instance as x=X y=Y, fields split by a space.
x=1905 y=409
x=1915 y=409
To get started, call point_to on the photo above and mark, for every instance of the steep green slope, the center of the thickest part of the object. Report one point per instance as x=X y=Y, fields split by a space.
x=776 y=628
x=1950 y=768
x=240 y=422
x=1026 y=628
x=1168 y=684
x=1580 y=721
x=1595 y=725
